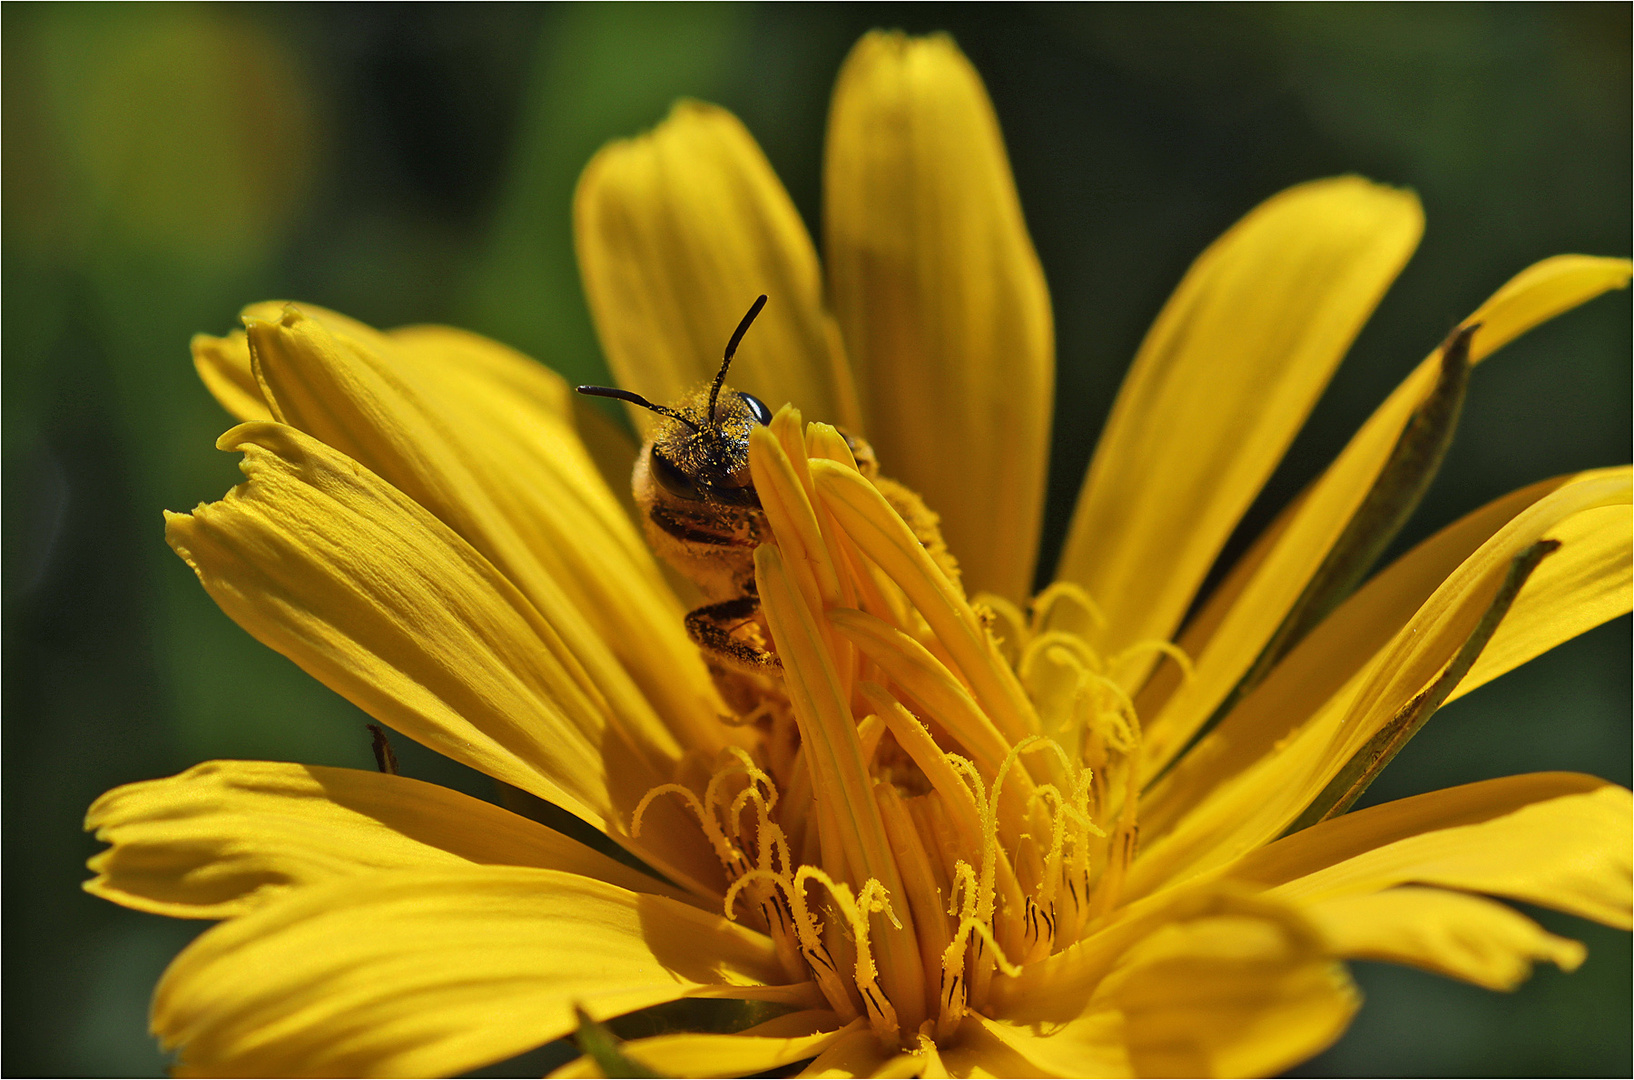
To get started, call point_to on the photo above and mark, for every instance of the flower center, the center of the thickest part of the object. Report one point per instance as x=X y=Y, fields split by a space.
x=942 y=792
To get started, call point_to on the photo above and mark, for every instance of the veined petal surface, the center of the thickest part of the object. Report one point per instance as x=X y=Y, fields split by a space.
x=1570 y=853
x=1450 y=933
x=1361 y=832
x=1255 y=805
x=1253 y=613
x=1585 y=583
x=1216 y=983
x=1317 y=669
x=778 y=1042
x=484 y=439
x=225 y=837
x=941 y=298
x=432 y=973
x=1219 y=388
x=678 y=231
x=373 y=596
x=1556 y=839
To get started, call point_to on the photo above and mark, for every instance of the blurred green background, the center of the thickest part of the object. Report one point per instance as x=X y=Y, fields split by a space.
x=165 y=165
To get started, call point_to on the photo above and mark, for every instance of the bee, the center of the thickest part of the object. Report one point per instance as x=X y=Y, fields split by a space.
x=699 y=505
x=702 y=514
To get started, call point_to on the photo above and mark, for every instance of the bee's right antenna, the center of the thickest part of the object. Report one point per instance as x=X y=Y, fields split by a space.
x=731 y=348
x=634 y=399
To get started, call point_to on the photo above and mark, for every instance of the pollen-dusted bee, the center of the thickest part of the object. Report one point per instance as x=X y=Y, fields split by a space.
x=699 y=504
x=702 y=513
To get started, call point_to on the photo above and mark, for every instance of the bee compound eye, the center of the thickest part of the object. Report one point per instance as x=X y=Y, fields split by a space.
x=672 y=479
x=757 y=408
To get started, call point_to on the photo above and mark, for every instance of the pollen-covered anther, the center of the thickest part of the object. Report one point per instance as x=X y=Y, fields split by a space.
x=731 y=858
x=1068 y=607
x=973 y=944
x=855 y=910
x=807 y=934
x=1157 y=645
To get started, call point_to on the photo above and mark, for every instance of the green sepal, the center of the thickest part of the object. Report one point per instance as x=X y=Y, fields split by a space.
x=1353 y=779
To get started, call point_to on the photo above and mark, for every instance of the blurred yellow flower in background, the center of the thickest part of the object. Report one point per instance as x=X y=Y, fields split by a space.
x=1096 y=831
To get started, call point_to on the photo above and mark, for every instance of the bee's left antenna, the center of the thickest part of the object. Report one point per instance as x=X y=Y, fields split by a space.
x=634 y=399
x=731 y=348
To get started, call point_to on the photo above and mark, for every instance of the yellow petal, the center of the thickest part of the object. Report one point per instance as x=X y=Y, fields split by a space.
x=1585 y=583
x=484 y=439
x=1217 y=983
x=856 y=1053
x=1423 y=648
x=1539 y=293
x=324 y=562
x=778 y=1042
x=1362 y=831
x=1221 y=385
x=983 y=1048
x=1236 y=636
x=1570 y=853
x=941 y=298
x=1231 y=995
x=223 y=365
x=225 y=837
x=1091 y=1044
x=430 y=973
x=1453 y=934
x=1373 y=655
x=678 y=231
x=1319 y=667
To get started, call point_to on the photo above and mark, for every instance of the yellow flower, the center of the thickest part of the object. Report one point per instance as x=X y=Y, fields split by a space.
x=963 y=832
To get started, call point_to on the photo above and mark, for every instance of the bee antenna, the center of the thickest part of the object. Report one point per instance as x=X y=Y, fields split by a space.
x=731 y=348
x=635 y=399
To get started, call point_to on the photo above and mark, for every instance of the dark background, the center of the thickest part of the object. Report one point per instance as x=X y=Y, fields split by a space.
x=165 y=165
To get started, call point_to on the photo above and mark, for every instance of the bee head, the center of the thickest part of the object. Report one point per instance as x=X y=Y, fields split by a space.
x=700 y=448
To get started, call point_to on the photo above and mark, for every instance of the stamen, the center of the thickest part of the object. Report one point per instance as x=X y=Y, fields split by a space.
x=855 y=910
x=1120 y=725
x=917 y=742
x=1043 y=643
x=792 y=518
x=985 y=884
x=808 y=933
x=884 y=537
x=975 y=937
x=731 y=858
x=932 y=1065
x=1057 y=670
x=1167 y=648
x=918 y=878
x=1066 y=606
x=1005 y=623
x=926 y=680
x=1124 y=842
x=755 y=773
x=840 y=778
